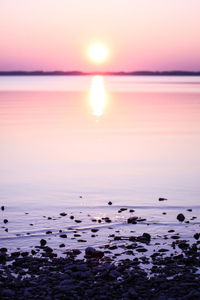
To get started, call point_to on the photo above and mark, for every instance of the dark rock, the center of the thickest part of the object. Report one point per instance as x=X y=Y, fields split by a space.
x=163 y=250
x=5 y=221
x=64 y=236
x=180 y=217
x=147 y=236
x=131 y=210
x=196 y=236
x=3 y=250
x=71 y=217
x=132 y=220
x=90 y=252
x=162 y=199
x=15 y=254
x=94 y=230
x=43 y=242
x=62 y=245
x=2 y=207
x=78 y=221
x=189 y=209
x=63 y=214
x=109 y=203
x=24 y=254
x=141 y=250
x=48 y=232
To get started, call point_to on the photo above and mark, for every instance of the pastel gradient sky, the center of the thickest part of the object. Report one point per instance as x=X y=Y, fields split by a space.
x=139 y=34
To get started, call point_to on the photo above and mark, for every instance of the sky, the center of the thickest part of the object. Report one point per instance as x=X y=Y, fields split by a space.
x=139 y=34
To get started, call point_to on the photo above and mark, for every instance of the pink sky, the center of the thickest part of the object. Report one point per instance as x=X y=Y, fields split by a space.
x=139 y=34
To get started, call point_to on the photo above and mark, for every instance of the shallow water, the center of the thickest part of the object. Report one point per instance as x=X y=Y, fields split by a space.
x=74 y=143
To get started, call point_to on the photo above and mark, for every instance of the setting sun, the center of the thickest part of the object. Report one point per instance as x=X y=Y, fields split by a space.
x=98 y=53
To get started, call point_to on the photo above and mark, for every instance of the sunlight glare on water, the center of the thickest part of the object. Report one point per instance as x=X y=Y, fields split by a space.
x=97 y=95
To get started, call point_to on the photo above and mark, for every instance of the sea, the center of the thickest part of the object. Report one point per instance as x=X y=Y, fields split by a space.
x=69 y=145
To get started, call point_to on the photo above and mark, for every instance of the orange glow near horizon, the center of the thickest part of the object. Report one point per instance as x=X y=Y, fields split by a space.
x=97 y=95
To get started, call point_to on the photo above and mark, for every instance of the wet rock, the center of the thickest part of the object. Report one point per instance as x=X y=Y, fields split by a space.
x=5 y=221
x=91 y=252
x=189 y=209
x=64 y=236
x=109 y=203
x=48 y=232
x=2 y=207
x=71 y=217
x=43 y=242
x=183 y=245
x=146 y=236
x=141 y=250
x=180 y=217
x=196 y=236
x=94 y=230
x=162 y=199
x=132 y=220
x=131 y=210
x=3 y=250
x=107 y=220
x=62 y=245
x=24 y=254
x=163 y=250
x=82 y=241
x=63 y=214
x=175 y=237
x=122 y=209
x=78 y=221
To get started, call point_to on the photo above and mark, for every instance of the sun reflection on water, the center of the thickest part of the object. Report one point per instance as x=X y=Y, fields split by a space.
x=97 y=95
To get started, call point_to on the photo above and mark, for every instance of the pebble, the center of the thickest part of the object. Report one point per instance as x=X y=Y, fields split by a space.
x=162 y=199
x=43 y=242
x=180 y=217
x=64 y=236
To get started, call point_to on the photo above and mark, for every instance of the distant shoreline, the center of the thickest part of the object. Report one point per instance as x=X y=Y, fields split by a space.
x=79 y=73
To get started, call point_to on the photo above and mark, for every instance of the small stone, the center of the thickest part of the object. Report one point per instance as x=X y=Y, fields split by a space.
x=63 y=214
x=180 y=217
x=43 y=242
x=78 y=221
x=132 y=220
x=196 y=236
x=131 y=210
x=71 y=217
x=62 y=245
x=48 y=232
x=24 y=254
x=189 y=209
x=109 y=203
x=162 y=199
x=2 y=207
x=5 y=221
x=64 y=236
x=94 y=230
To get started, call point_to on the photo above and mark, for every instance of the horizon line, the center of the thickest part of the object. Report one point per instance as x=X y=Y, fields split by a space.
x=104 y=73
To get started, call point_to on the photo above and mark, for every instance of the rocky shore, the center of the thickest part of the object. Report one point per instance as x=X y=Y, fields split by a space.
x=43 y=275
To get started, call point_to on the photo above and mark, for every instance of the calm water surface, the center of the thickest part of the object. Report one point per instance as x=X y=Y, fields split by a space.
x=75 y=143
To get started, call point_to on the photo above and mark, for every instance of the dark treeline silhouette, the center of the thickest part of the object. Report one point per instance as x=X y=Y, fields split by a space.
x=121 y=73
